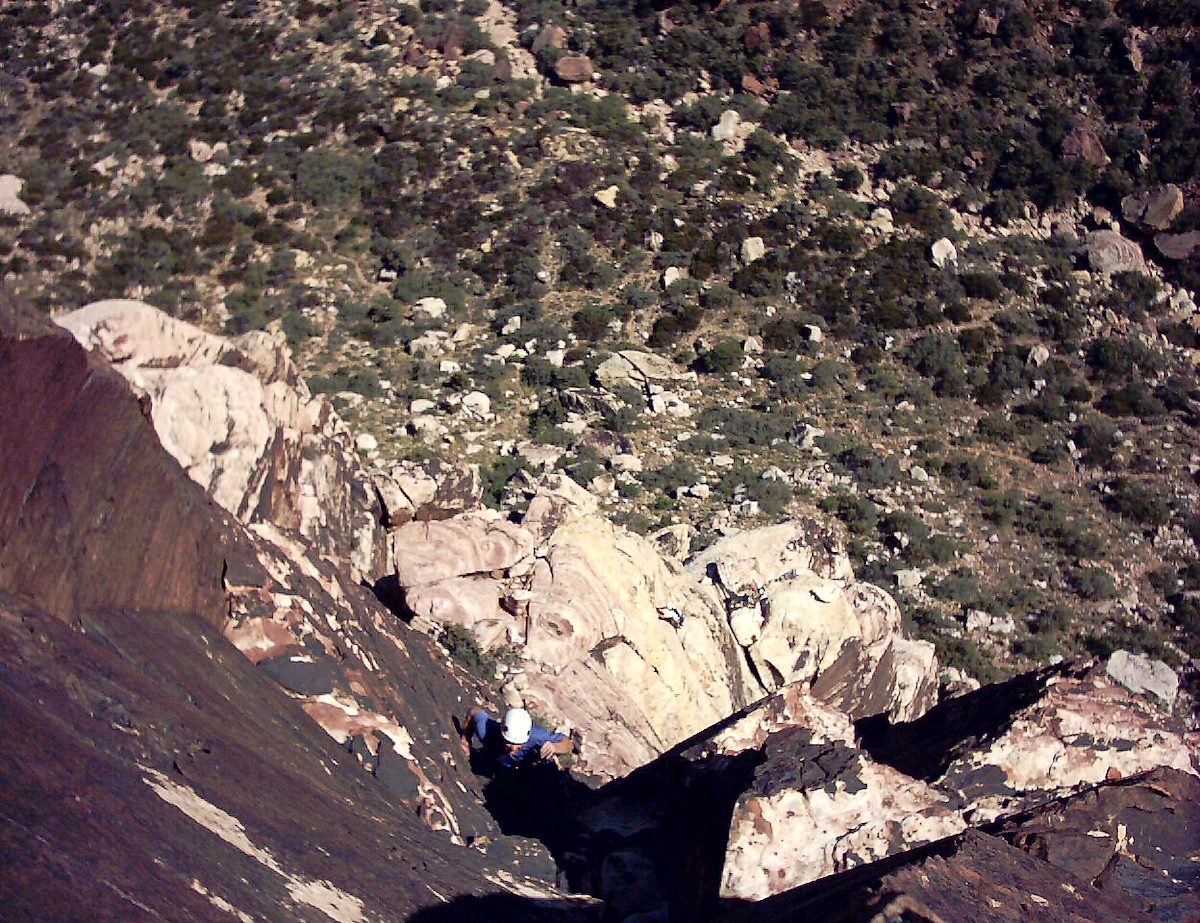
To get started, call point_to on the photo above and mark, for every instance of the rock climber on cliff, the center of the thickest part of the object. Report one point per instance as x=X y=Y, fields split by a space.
x=512 y=743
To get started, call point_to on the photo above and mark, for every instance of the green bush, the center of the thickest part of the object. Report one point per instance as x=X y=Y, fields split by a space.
x=726 y=356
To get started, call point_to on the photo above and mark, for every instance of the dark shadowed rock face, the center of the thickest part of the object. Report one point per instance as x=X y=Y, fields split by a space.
x=969 y=878
x=1140 y=836
x=1120 y=851
x=91 y=507
x=150 y=769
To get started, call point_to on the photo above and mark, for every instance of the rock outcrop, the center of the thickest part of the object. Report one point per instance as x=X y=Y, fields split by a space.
x=1040 y=735
x=807 y=620
x=239 y=419
x=188 y=781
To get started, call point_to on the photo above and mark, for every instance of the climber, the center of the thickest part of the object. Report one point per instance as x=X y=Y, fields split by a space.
x=672 y=616
x=513 y=743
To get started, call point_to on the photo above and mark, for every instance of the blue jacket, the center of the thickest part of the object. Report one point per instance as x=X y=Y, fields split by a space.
x=490 y=733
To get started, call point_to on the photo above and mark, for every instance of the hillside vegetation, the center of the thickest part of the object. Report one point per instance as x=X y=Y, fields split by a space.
x=865 y=235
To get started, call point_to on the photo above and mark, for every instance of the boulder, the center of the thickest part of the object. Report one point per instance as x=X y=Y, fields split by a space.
x=1109 y=252
x=1178 y=246
x=1084 y=144
x=1145 y=676
x=10 y=196
x=634 y=369
x=726 y=129
x=607 y=196
x=432 y=308
x=550 y=36
x=574 y=68
x=943 y=252
x=1153 y=208
x=753 y=249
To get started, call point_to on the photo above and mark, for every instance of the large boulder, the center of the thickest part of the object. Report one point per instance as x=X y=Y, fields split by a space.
x=1109 y=252
x=631 y=368
x=1153 y=208
x=238 y=418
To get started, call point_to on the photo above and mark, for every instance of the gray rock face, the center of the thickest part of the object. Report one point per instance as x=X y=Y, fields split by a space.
x=1153 y=208
x=1139 y=673
x=1109 y=252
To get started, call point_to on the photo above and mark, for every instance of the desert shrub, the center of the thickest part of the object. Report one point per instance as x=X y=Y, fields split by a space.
x=726 y=356
x=328 y=178
x=859 y=514
x=1134 y=399
x=1138 y=502
x=591 y=321
x=671 y=476
x=964 y=654
x=1093 y=583
x=746 y=428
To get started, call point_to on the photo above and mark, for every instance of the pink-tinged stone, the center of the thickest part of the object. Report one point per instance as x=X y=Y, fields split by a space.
x=574 y=68
x=473 y=543
x=1084 y=144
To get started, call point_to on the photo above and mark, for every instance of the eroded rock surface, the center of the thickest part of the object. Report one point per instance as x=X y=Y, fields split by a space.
x=239 y=419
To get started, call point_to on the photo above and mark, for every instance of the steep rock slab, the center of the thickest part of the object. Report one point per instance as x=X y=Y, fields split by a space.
x=598 y=593
x=93 y=515
x=149 y=767
x=239 y=419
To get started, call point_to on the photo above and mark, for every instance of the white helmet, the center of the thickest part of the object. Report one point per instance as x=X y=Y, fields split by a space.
x=517 y=725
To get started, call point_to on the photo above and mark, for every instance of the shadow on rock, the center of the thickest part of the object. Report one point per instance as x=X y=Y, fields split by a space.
x=494 y=907
x=544 y=803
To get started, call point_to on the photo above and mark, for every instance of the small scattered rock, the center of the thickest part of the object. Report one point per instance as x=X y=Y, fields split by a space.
x=365 y=442
x=943 y=252
x=607 y=197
